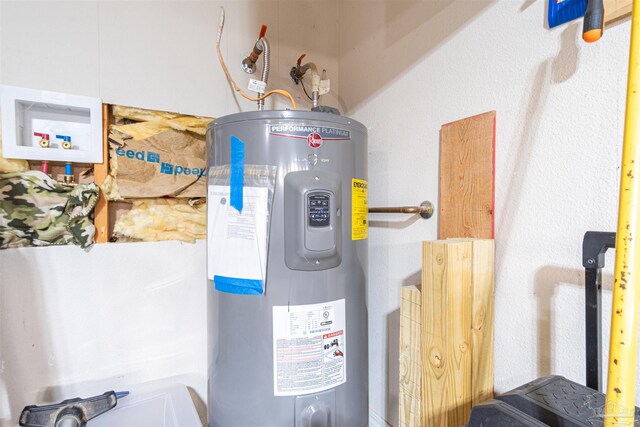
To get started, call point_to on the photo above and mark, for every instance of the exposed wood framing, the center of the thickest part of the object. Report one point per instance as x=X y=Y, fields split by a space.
x=100 y=171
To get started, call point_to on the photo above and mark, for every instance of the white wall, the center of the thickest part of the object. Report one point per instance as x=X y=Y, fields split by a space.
x=76 y=322
x=161 y=54
x=79 y=323
x=408 y=67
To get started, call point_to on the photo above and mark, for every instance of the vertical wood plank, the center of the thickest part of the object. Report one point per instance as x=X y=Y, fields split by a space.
x=446 y=333
x=482 y=320
x=100 y=172
x=616 y=9
x=467 y=177
x=409 y=397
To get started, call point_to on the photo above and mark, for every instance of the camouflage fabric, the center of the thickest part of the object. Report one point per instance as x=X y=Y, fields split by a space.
x=36 y=210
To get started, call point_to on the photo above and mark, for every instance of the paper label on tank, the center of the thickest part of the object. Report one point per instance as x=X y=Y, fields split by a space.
x=309 y=348
x=237 y=241
x=359 y=210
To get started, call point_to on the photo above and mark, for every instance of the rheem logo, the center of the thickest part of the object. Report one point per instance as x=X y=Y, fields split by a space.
x=314 y=140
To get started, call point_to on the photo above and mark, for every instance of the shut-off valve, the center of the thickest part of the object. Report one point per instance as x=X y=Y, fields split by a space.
x=319 y=86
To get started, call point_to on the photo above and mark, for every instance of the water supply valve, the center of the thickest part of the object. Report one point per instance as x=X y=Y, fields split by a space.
x=66 y=141
x=44 y=139
x=319 y=86
x=297 y=72
x=44 y=143
x=249 y=63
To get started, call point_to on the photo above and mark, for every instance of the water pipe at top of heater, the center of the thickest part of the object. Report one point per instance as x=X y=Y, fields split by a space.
x=249 y=63
x=235 y=87
x=298 y=72
x=44 y=143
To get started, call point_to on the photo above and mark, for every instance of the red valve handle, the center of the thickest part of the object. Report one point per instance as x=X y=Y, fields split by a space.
x=300 y=59
x=263 y=31
x=42 y=135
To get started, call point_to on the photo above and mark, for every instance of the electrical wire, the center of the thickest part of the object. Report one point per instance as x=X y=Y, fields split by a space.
x=305 y=90
x=230 y=79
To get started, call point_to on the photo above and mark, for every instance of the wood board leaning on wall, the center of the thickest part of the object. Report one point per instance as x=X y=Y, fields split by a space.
x=467 y=159
x=446 y=334
x=446 y=324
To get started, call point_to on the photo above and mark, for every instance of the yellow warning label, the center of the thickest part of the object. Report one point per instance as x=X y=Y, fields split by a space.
x=359 y=210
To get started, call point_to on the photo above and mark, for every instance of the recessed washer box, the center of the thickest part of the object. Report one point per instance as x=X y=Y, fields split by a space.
x=28 y=115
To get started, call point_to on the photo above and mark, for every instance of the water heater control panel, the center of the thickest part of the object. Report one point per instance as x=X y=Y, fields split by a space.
x=319 y=209
x=313 y=226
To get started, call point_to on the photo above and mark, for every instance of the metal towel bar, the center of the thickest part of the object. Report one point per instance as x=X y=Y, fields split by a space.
x=425 y=209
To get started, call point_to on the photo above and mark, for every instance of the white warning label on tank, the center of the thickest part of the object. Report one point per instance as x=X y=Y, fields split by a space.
x=309 y=347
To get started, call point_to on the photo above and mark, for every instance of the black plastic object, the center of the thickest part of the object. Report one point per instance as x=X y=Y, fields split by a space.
x=593 y=24
x=68 y=412
x=559 y=402
x=326 y=109
x=594 y=246
x=494 y=413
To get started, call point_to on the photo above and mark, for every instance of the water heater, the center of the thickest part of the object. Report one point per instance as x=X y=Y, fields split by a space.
x=287 y=263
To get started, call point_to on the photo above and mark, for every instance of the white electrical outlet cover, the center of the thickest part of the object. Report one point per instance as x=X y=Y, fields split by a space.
x=28 y=111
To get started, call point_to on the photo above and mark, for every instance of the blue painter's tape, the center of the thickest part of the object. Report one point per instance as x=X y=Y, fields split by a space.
x=565 y=11
x=234 y=285
x=237 y=173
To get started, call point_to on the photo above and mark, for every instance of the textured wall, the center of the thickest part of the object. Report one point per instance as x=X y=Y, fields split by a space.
x=406 y=68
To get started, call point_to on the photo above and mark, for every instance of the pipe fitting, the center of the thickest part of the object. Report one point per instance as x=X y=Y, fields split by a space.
x=264 y=45
x=249 y=63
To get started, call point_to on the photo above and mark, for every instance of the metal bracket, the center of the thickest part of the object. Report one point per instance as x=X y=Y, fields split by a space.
x=594 y=246
x=425 y=210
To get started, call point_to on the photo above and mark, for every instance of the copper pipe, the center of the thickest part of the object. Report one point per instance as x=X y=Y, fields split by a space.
x=425 y=210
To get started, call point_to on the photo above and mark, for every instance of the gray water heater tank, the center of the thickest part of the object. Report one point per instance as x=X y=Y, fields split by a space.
x=295 y=354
